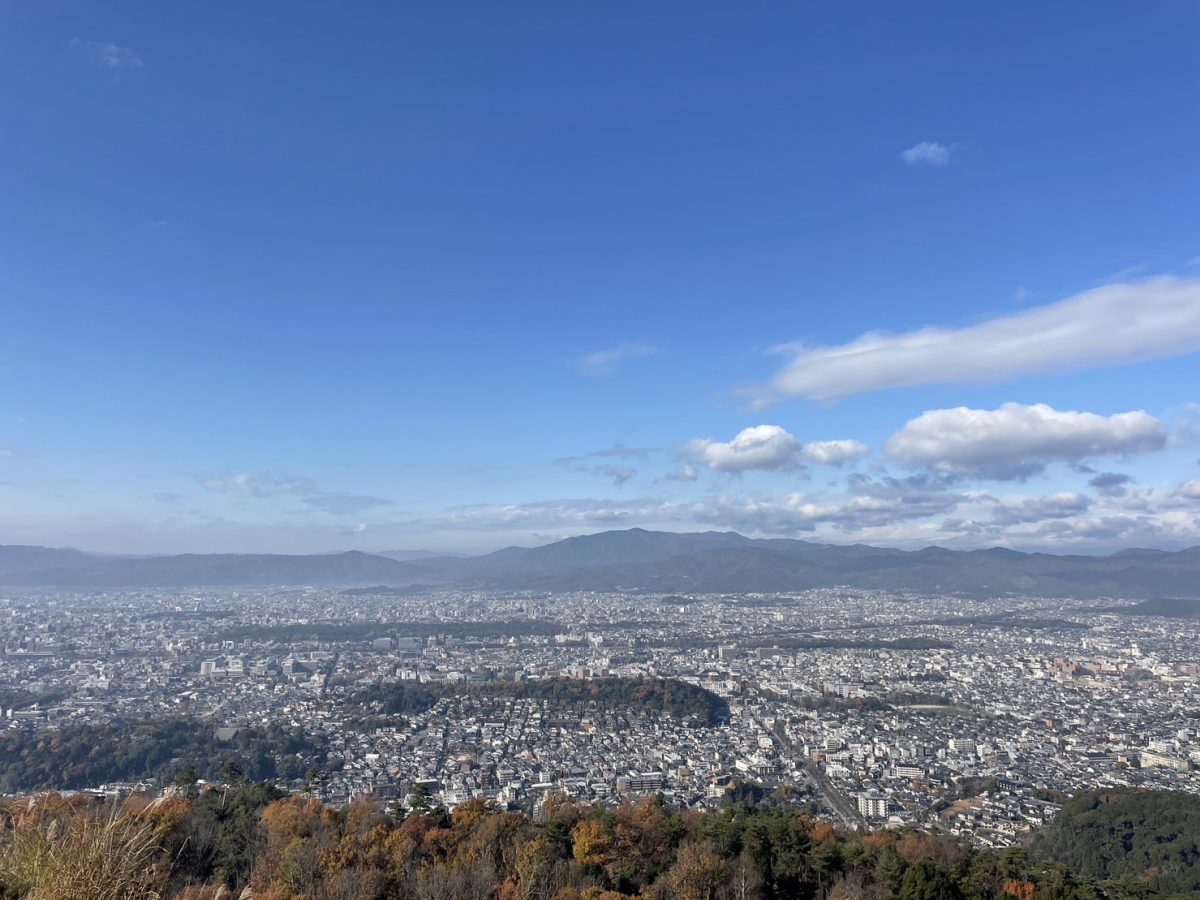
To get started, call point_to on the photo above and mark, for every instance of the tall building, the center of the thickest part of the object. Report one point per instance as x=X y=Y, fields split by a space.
x=873 y=805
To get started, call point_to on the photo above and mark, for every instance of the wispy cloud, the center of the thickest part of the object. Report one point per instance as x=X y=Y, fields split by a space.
x=605 y=362
x=260 y=485
x=270 y=485
x=544 y=514
x=107 y=54
x=618 y=451
x=618 y=474
x=344 y=504
x=928 y=153
x=588 y=462
x=1117 y=323
x=684 y=472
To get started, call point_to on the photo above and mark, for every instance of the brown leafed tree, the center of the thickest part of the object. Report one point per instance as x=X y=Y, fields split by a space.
x=698 y=873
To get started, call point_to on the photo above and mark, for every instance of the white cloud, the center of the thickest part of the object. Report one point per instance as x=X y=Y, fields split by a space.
x=1117 y=323
x=834 y=453
x=1106 y=531
x=771 y=448
x=767 y=447
x=1189 y=490
x=108 y=54
x=872 y=505
x=1016 y=441
x=551 y=514
x=605 y=362
x=928 y=153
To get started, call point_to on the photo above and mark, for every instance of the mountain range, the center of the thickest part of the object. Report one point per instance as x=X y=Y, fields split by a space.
x=639 y=560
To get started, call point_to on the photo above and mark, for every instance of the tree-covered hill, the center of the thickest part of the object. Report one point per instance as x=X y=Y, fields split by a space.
x=86 y=756
x=679 y=699
x=1145 y=838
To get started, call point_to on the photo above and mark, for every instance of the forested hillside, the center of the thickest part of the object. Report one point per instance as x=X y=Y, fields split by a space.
x=663 y=695
x=83 y=756
x=1150 y=837
x=253 y=839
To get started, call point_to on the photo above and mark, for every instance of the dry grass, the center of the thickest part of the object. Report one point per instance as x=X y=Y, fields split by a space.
x=82 y=854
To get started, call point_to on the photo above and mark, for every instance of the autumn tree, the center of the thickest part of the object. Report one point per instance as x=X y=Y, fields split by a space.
x=590 y=844
x=698 y=872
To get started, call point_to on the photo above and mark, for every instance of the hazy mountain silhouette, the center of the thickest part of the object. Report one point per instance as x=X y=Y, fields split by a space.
x=639 y=560
x=67 y=568
x=414 y=555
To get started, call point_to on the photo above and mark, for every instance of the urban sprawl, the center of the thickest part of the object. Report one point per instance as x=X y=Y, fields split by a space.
x=971 y=717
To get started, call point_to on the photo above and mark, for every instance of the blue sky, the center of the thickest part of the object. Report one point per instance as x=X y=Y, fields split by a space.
x=287 y=278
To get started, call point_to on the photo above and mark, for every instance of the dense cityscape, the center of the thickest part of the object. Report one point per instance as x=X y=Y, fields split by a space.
x=970 y=717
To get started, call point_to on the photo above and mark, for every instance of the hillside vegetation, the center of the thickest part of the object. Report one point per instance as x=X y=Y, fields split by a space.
x=85 y=756
x=1150 y=838
x=662 y=695
x=203 y=845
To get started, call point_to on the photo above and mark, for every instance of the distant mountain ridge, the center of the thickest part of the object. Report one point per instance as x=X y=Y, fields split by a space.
x=414 y=555
x=72 y=568
x=640 y=560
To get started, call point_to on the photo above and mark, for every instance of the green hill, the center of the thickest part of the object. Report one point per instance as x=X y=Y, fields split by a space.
x=1148 y=838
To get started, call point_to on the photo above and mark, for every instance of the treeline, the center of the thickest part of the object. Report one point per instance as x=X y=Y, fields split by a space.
x=19 y=698
x=293 y=848
x=1151 y=838
x=679 y=699
x=84 y=756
